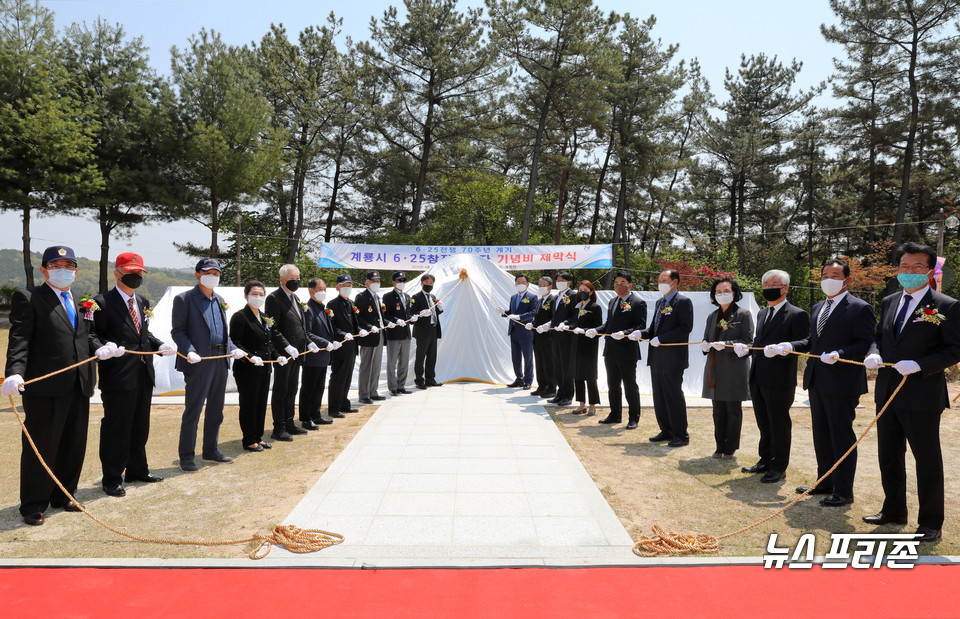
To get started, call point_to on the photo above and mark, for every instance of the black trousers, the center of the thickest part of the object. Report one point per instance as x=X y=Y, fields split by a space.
x=59 y=429
x=771 y=406
x=311 y=392
x=565 y=363
x=284 y=398
x=425 y=359
x=125 y=428
x=342 y=361
x=543 y=360
x=727 y=422
x=253 y=385
x=832 y=419
x=921 y=429
x=668 y=403
x=623 y=371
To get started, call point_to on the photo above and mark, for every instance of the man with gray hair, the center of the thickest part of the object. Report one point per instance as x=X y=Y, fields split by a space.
x=773 y=378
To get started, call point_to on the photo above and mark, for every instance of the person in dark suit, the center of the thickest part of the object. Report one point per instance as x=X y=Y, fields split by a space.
x=919 y=332
x=397 y=315
x=320 y=331
x=372 y=324
x=725 y=374
x=626 y=319
x=252 y=332
x=842 y=326
x=588 y=315
x=543 y=342
x=50 y=331
x=564 y=343
x=126 y=383
x=426 y=331
x=773 y=379
x=672 y=323
x=343 y=317
x=521 y=310
x=199 y=328
x=289 y=336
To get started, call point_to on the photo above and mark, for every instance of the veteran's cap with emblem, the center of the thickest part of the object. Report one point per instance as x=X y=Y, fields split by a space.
x=58 y=252
x=399 y=276
x=130 y=262
x=372 y=275
x=208 y=264
x=344 y=279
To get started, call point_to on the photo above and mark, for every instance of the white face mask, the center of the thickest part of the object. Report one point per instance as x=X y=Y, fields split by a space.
x=831 y=287
x=399 y=285
x=61 y=278
x=724 y=298
x=521 y=288
x=320 y=296
x=210 y=281
x=664 y=288
x=345 y=292
x=374 y=287
x=561 y=286
x=256 y=301
x=544 y=291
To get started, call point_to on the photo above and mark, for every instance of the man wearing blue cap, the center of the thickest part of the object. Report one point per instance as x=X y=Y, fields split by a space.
x=343 y=314
x=50 y=331
x=199 y=327
x=397 y=314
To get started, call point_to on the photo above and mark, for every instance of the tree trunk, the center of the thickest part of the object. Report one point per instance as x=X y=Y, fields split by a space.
x=27 y=263
x=872 y=182
x=105 y=230
x=741 y=199
x=214 y=228
x=424 y=162
x=603 y=175
x=328 y=232
x=911 y=135
x=618 y=221
x=562 y=193
x=535 y=168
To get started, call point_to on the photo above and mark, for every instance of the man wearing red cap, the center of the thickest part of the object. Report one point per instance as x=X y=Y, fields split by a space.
x=126 y=382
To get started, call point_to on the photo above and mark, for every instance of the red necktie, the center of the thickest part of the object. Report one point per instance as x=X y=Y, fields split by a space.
x=134 y=314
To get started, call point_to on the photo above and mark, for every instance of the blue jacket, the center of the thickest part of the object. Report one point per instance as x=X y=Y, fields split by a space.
x=190 y=329
x=526 y=310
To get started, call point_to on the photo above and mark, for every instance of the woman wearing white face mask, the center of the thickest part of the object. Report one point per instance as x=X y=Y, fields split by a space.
x=726 y=372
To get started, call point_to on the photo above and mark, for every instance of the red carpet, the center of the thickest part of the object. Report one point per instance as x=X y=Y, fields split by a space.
x=924 y=591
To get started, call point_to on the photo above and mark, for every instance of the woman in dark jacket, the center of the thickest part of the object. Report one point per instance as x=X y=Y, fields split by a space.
x=250 y=332
x=726 y=372
x=587 y=315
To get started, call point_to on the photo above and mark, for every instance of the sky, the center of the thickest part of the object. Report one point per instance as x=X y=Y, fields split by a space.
x=716 y=33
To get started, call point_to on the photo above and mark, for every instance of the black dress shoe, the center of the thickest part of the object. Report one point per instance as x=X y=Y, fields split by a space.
x=309 y=425
x=515 y=384
x=366 y=401
x=926 y=534
x=772 y=477
x=257 y=447
x=836 y=500
x=535 y=392
x=188 y=465
x=266 y=445
x=351 y=410
x=115 y=490
x=404 y=391
x=72 y=507
x=631 y=426
x=147 y=479
x=881 y=518
x=394 y=393
x=336 y=415
x=294 y=430
x=217 y=457
x=678 y=442
x=282 y=435
x=609 y=419
x=377 y=398
x=818 y=490
x=549 y=393
x=320 y=421
x=759 y=467
x=434 y=384
x=565 y=402
x=34 y=520
x=554 y=400
x=659 y=438
x=527 y=385
x=421 y=385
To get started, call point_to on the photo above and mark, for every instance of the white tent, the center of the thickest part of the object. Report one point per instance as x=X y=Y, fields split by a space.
x=474 y=344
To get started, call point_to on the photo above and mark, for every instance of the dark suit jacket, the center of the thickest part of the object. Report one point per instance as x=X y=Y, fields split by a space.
x=628 y=321
x=371 y=313
x=189 y=327
x=344 y=318
x=563 y=305
x=587 y=347
x=422 y=326
x=849 y=330
x=934 y=347
x=674 y=327
x=320 y=331
x=542 y=316
x=42 y=340
x=114 y=324
x=251 y=335
x=724 y=368
x=398 y=308
x=790 y=323
x=525 y=311
x=289 y=321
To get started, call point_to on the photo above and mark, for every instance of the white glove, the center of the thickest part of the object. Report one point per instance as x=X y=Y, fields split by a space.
x=349 y=337
x=425 y=313
x=120 y=351
x=655 y=342
x=705 y=346
x=193 y=358
x=257 y=361
x=414 y=318
x=390 y=325
x=13 y=385
x=401 y=323
x=336 y=345
x=106 y=351
x=238 y=354
x=529 y=326
x=636 y=336
x=579 y=331
x=872 y=362
x=374 y=330
x=830 y=357
x=718 y=346
x=740 y=350
x=293 y=352
x=282 y=361
x=513 y=317
x=618 y=335
x=312 y=347
x=770 y=351
x=543 y=328
x=784 y=348
x=364 y=333
x=439 y=306
x=167 y=349
x=907 y=368
x=592 y=333
x=562 y=327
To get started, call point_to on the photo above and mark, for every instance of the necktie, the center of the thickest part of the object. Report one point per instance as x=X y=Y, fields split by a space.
x=296 y=305
x=71 y=311
x=902 y=314
x=824 y=314
x=134 y=314
x=657 y=313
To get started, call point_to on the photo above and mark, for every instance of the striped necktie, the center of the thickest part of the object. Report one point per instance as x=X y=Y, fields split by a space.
x=824 y=314
x=134 y=314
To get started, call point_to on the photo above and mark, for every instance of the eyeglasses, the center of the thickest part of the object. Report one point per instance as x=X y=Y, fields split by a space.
x=913 y=268
x=65 y=267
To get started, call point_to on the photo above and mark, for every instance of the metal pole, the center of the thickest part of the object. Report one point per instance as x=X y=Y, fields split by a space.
x=239 y=225
x=940 y=234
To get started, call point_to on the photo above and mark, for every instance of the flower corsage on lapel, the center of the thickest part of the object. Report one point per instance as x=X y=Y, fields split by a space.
x=267 y=320
x=625 y=306
x=223 y=304
x=583 y=312
x=329 y=312
x=148 y=313
x=724 y=325
x=525 y=300
x=566 y=299
x=89 y=307
x=303 y=305
x=667 y=310
x=929 y=314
